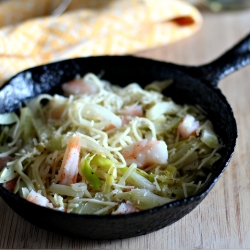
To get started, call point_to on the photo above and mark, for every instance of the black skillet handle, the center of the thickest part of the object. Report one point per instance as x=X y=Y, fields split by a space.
x=232 y=60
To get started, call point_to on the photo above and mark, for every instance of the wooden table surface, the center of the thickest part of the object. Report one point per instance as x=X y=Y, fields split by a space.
x=222 y=220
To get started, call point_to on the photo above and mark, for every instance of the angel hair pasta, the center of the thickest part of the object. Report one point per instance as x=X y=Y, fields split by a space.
x=102 y=149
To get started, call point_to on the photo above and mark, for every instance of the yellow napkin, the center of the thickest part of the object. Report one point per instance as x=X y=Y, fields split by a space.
x=30 y=35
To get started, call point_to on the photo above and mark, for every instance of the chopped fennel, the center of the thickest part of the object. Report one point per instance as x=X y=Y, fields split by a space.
x=8 y=118
x=208 y=135
x=143 y=198
x=120 y=150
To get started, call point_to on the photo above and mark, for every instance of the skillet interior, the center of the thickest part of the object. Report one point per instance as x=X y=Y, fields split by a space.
x=120 y=71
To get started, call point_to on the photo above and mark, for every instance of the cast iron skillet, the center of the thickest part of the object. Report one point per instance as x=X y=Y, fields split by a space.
x=192 y=85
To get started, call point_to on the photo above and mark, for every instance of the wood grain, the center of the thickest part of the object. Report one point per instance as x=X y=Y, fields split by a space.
x=222 y=220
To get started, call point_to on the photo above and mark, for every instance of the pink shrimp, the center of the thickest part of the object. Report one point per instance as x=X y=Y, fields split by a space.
x=4 y=160
x=79 y=86
x=126 y=115
x=125 y=208
x=109 y=127
x=10 y=185
x=37 y=198
x=130 y=111
x=146 y=152
x=69 y=169
x=188 y=126
x=56 y=112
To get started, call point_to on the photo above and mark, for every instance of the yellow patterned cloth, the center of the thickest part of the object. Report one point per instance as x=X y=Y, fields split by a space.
x=30 y=33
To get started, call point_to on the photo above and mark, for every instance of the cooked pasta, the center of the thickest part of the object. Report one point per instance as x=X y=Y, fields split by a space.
x=102 y=149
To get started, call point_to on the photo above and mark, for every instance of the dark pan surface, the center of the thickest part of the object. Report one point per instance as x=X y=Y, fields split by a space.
x=188 y=87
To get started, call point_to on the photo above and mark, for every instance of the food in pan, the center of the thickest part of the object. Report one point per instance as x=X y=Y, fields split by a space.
x=103 y=149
